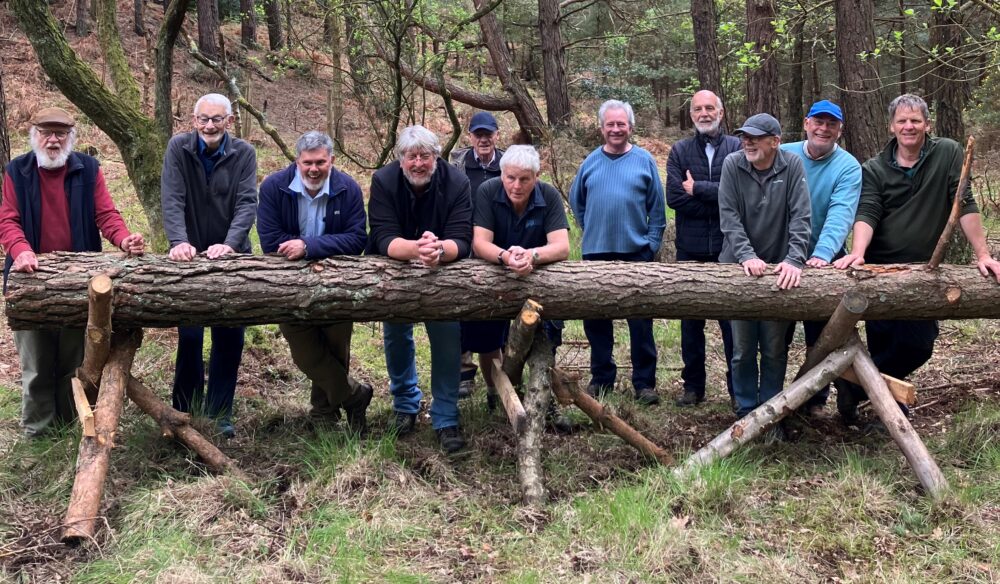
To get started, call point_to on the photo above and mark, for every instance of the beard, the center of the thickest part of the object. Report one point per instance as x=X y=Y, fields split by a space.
x=43 y=156
x=419 y=181
x=711 y=128
x=313 y=185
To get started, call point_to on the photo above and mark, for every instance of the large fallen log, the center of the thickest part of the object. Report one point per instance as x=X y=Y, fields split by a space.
x=151 y=291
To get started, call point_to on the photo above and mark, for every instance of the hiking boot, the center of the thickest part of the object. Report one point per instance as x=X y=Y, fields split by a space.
x=558 y=421
x=847 y=404
x=597 y=391
x=775 y=434
x=451 y=439
x=403 y=424
x=465 y=388
x=647 y=396
x=357 y=411
x=492 y=399
x=688 y=399
x=225 y=428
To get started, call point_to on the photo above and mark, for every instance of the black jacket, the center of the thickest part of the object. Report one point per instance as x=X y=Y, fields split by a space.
x=697 y=215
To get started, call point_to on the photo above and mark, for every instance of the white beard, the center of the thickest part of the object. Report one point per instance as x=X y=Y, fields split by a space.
x=42 y=154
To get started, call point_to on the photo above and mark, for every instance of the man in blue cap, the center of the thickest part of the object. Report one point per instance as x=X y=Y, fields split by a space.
x=480 y=163
x=834 y=178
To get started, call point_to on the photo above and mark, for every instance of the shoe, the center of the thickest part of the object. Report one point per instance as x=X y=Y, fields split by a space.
x=689 y=398
x=492 y=399
x=451 y=439
x=647 y=396
x=403 y=424
x=558 y=421
x=465 y=388
x=597 y=391
x=847 y=404
x=357 y=412
x=775 y=434
x=225 y=428
x=811 y=410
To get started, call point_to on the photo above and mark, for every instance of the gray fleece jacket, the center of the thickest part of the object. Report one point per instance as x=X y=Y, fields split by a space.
x=202 y=212
x=765 y=217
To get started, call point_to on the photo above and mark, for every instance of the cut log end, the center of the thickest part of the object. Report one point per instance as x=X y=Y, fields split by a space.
x=101 y=284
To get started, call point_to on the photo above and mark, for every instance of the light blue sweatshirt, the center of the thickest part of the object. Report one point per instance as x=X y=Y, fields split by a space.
x=834 y=190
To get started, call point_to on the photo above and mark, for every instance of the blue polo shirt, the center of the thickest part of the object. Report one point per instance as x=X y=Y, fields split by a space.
x=544 y=214
x=312 y=210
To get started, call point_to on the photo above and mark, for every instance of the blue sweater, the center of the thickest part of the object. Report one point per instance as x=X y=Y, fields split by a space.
x=834 y=190
x=343 y=225
x=619 y=203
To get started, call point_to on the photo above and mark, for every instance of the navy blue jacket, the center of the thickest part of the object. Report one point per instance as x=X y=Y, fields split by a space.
x=697 y=215
x=81 y=176
x=344 y=224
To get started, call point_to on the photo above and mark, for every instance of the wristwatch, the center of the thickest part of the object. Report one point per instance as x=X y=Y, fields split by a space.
x=534 y=255
x=500 y=256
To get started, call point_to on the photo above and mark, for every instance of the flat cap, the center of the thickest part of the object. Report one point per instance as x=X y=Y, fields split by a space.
x=52 y=116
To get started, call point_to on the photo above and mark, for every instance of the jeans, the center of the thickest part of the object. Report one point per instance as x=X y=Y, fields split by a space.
x=768 y=337
x=49 y=359
x=223 y=368
x=401 y=363
x=600 y=334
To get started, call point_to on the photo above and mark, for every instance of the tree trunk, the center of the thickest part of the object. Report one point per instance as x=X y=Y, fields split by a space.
x=173 y=18
x=248 y=24
x=82 y=18
x=335 y=93
x=273 y=12
x=951 y=92
x=151 y=291
x=114 y=54
x=537 y=397
x=706 y=47
x=864 y=124
x=139 y=17
x=792 y=126
x=762 y=81
x=208 y=28
x=4 y=133
x=557 y=105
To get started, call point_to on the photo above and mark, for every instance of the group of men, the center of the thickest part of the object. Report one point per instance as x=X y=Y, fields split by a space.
x=748 y=199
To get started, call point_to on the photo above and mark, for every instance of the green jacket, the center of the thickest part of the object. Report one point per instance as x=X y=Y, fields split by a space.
x=909 y=212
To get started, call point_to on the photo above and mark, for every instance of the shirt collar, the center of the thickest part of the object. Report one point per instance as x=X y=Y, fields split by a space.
x=202 y=147
x=805 y=151
x=297 y=186
x=492 y=158
x=537 y=200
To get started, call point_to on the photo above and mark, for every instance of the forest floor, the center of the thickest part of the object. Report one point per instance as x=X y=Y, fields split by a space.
x=832 y=505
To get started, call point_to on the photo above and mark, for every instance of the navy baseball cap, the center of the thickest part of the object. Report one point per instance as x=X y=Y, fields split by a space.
x=825 y=107
x=760 y=125
x=483 y=121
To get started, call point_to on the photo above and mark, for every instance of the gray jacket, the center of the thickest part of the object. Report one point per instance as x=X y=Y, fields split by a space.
x=765 y=218
x=202 y=213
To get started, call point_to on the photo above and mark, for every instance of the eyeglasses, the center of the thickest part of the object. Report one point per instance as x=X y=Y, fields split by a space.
x=59 y=134
x=422 y=157
x=204 y=120
x=752 y=139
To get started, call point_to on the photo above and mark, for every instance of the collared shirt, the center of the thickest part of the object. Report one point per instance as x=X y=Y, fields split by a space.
x=312 y=210
x=543 y=214
x=480 y=160
x=208 y=161
x=709 y=153
x=908 y=170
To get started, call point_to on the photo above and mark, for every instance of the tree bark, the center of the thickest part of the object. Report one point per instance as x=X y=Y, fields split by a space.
x=521 y=339
x=114 y=54
x=864 y=124
x=152 y=291
x=952 y=91
x=537 y=397
x=557 y=104
x=98 y=335
x=208 y=28
x=166 y=38
x=792 y=126
x=332 y=33
x=248 y=24
x=273 y=12
x=512 y=405
x=706 y=46
x=4 y=133
x=139 y=17
x=762 y=81
x=82 y=18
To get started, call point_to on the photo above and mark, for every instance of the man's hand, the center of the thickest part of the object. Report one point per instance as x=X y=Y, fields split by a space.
x=851 y=260
x=26 y=261
x=788 y=276
x=182 y=252
x=218 y=250
x=429 y=249
x=688 y=184
x=754 y=267
x=985 y=265
x=815 y=262
x=521 y=262
x=293 y=249
x=133 y=244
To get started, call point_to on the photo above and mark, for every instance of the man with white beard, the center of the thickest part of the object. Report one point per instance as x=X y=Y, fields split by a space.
x=54 y=199
x=420 y=209
x=310 y=210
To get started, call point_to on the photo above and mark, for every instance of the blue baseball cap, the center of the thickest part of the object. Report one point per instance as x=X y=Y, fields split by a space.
x=483 y=121
x=825 y=107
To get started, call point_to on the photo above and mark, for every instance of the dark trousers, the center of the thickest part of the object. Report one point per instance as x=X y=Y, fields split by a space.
x=693 y=341
x=223 y=367
x=812 y=330
x=898 y=348
x=600 y=334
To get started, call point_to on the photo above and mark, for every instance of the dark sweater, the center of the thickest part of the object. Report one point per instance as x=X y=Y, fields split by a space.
x=908 y=213
x=444 y=209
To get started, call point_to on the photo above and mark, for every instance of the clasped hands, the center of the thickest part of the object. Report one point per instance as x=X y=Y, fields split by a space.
x=520 y=261
x=788 y=275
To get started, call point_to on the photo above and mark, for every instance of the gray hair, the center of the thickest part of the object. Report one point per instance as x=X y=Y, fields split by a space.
x=616 y=104
x=521 y=156
x=417 y=138
x=215 y=98
x=313 y=140
x=908 y=101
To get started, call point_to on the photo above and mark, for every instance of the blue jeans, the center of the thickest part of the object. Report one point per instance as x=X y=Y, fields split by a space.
x=223 y=367
x=768 y=337
x=600 y=334
x=693 y=340
x=401 y=363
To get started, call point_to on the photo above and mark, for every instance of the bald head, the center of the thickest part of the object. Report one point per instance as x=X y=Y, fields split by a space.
x=706 y=112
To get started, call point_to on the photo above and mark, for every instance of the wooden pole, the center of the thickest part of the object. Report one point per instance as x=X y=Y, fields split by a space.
x=772 y=411
x=98 y=335
x=927 y=471
x=963 y=182
x=536 y=403
x=508 y=396
x=95 y=452
x=520 y=340
x=83 y=411
x=568 y=391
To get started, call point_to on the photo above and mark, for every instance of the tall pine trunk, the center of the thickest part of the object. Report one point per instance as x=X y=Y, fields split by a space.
x=762 y=81
x=864 y=124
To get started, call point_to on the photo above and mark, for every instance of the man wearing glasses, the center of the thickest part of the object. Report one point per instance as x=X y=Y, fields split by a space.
x=54 y=199
x=209 y=196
